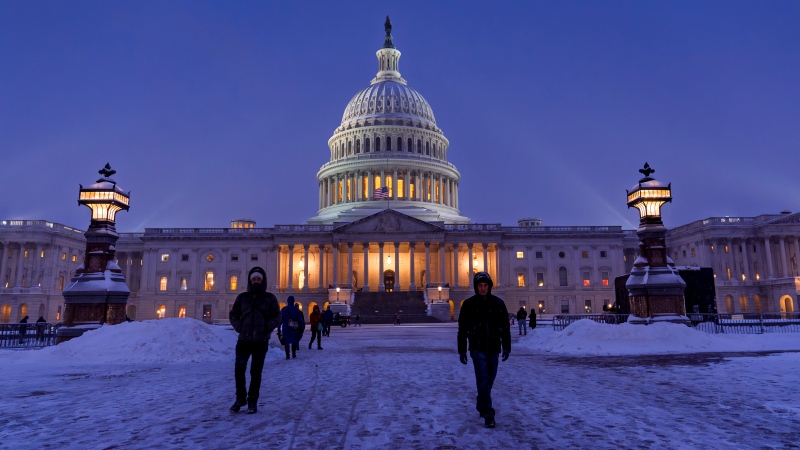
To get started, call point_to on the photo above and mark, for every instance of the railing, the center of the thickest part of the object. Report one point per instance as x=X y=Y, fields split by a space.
x=28 y=335
x=746 y=323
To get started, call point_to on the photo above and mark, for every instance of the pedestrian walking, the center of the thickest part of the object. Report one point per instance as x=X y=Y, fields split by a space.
x=358 y=321
x=23 y=328
x=316 y=327
x=40 y=326
x=254 y=315
x=521 y=316
x=483 y=329
x=397 y=319
x=532 y=319
x=327 y=319
x=292 y=326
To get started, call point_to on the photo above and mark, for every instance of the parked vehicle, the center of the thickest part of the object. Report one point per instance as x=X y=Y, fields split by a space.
x=341 y=320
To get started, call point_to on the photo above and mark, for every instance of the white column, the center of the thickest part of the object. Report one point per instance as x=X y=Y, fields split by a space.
x=427 y=264
x=396 y=266
x=395 y=195
x=407 y=186
x=412 y=286
x=306 y=266
x=37 y=265
x=768 y=257
x=370 y=186
x=784 y=268
x=290 y=272
x=336 y=263
x=365 y=284
x=381 y=286
x=20 y=263
x=321 y=259
x=350 y=263
x=441 y=262
x=471 y=269
x=455 y=265
x=483 y=251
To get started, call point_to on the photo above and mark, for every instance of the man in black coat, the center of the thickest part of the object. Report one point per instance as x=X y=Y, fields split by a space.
x=254 y=315
x=483 y=322
x=521 y=316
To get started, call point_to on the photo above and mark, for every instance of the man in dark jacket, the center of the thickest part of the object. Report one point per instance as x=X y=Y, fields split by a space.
x=327 y=320
x=292 y=326
x=521 y=316
x=254 y=315
x=483 y=322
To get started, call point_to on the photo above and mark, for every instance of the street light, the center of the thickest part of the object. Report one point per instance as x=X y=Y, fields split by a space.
x=440 y=294
x=337 y=295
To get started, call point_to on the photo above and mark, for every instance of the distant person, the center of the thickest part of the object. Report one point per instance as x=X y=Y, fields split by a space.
x=316 y=327
x=40 y=326
x=532 y=319
x=254 y=315
x=483 y=329
x=327 y=320
x=397 y=319
x=23 y=328
x=358 y=321
x=292 y=326
x=521 y=316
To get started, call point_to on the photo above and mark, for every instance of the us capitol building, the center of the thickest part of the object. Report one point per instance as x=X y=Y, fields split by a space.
x=389 y=237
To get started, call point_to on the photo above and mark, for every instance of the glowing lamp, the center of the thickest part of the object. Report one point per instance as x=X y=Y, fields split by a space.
x=104 y=197
x=648 y=196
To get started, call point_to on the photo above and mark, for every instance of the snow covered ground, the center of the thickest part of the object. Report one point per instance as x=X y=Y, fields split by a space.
x=169 y=383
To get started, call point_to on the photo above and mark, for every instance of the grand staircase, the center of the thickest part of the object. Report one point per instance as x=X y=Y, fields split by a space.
x=381 y=307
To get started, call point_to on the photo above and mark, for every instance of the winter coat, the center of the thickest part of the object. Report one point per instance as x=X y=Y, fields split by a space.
x=483 y=323
x=292 y=335
x=532 y=323
x=255 y=313
x=327 y=317
x=521 y=315
x=314 y=318
x=23 y=327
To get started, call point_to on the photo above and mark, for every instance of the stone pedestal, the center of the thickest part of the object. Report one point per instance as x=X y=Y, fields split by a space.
x=92 y=300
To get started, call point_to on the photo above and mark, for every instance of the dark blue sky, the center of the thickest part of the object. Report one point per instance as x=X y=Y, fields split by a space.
x=211 y=111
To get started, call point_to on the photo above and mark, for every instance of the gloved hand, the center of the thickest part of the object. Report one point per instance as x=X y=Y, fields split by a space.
x=462 y=357
x=505 y=355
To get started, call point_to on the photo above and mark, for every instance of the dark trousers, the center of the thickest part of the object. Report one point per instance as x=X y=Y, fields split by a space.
x=294 y=349
x=485 y=366
x=244 y=350
x=522 y=327
x=315 y=333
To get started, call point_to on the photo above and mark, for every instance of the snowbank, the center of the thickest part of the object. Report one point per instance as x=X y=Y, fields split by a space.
x=586 y=337
x=166 y=340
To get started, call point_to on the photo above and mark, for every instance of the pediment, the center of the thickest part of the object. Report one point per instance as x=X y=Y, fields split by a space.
x=388 y=221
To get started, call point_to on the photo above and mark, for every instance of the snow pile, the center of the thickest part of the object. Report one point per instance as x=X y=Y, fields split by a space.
x=586 y=337
x=166 y=340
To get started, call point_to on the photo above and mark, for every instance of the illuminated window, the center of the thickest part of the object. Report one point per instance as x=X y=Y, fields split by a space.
x=585 y=254
x=182 y=311
x=726 y=249
x=538 y=255
x=209 y=281
x=539 y=279
x=74 y=258
x=587 y=306
x=206 y=311
x=234 y=282
x=521 y=279
x=728 y=272
x=520 y=255
x=58 y=313
x=41 y=255
x=164 y=257
x=712 y=249
x=694 y=251
x=184 y=284
x=184 y=257
x=562 y=276
x=63 y=256
x=162 y=284
x=209 y=257
x=161 y=312
x=604 y=278
x=401 y=187
x=586 y=281
x=61 y=283
x=26 y=254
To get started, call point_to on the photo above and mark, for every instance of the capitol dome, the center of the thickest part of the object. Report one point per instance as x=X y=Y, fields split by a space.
x=388 y=99
x=388 y=153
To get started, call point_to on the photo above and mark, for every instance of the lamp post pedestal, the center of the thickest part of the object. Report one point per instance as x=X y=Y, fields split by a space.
x=97 y=293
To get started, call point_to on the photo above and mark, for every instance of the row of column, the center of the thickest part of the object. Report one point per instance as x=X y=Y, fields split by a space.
x=749 y=263
x=334 y=189
x=12 y=267
x=289 y=268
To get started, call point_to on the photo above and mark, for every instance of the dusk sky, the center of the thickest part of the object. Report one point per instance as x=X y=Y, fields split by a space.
x=213 y=111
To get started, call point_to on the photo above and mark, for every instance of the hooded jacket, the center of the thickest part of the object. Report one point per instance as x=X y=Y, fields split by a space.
x=255 y=313
x=483 y=324
x=292 y=313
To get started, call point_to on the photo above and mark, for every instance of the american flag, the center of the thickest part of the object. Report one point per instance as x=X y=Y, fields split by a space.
x=381 y=193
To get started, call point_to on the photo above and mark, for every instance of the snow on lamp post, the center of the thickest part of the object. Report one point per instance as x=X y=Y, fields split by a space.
x=97 y=293
x=655 y=289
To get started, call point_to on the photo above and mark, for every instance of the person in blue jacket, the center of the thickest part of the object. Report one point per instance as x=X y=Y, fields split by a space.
x=292 y=326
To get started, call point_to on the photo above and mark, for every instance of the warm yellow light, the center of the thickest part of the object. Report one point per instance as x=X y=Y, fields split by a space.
x=440 y=289
x=337 y=290
x=388 y=260
x=300 y=263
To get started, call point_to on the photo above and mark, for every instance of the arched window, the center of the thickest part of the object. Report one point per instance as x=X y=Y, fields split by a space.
x=562 y=276
x=209 y=281
x=349 y=147
x=410 y=144
x=419 y=146
x=399 y=145
x=358 y=146
x=388 y=144
x=743 y=303
x=377 y=144
x=366 y=146
x=427 y=148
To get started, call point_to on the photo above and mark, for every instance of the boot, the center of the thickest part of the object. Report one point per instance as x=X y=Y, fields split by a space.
x=238 y=405
x=488 y=422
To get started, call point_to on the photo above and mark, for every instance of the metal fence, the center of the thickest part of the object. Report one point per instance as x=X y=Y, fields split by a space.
x=745 y=323
x=27 y=335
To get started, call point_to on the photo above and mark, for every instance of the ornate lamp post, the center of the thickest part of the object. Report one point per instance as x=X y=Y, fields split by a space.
x=97 y=293
x=655 y=289
x=440 y=294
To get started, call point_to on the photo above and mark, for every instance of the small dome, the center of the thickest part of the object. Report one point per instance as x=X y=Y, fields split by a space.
x=388 y=100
